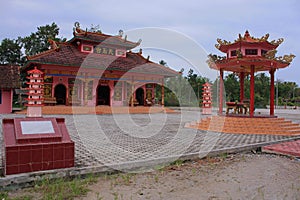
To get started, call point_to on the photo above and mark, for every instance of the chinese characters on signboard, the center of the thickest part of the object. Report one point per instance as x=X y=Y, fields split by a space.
x=104 y=50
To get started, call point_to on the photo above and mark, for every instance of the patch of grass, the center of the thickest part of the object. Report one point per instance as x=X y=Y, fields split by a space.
x=116 y=195
x=63 y=188
x=5 y=196
x=224 y=156
x=177 y=163
x=159 y=168
x=194 y=171
x=156 y=178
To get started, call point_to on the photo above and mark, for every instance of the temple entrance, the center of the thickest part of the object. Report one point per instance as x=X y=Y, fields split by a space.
x=60 y=92
x=139 y=95
x=103 y=95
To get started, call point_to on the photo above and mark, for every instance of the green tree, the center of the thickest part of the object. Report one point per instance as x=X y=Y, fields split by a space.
x=10 y=52
x=231 y=84
x=262 y=90
x=38 y=42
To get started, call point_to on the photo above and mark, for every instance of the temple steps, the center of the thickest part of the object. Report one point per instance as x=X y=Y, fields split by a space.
x=247 y=125
x=69 y=110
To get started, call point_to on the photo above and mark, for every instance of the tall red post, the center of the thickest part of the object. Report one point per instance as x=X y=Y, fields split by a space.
x=252 y=90
x=162 y=93
x=221 y=91
x=242 y=80
x=272 y=71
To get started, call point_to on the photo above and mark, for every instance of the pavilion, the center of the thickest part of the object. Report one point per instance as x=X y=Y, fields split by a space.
x=246 y=56
x=94 y=69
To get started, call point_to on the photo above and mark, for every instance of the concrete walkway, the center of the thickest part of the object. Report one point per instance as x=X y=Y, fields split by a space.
x=138 y=141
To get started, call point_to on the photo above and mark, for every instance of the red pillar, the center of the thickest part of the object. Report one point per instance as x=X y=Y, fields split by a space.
x=272 y=71
x=162 y=93
x=242 y=80
x=221 y=92
x=252 y=90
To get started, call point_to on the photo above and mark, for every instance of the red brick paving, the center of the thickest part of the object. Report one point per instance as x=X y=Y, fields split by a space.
x=286 y=148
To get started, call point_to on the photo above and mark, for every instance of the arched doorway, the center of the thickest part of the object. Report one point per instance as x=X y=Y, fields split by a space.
x=103 y=95
x=60 y=92
x=139 y=95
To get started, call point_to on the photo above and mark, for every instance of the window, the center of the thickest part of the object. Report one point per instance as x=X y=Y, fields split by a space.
x=251 y=52
x=233 y=53
x=263 y=52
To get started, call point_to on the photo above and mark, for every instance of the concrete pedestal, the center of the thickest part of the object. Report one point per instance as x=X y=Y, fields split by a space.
x=36 y=144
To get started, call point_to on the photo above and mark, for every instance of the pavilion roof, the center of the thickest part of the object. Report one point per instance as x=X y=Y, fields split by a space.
x=9 y=76
x=248 y=40
x=35 y=71
x=68 y=54
x=261 y=63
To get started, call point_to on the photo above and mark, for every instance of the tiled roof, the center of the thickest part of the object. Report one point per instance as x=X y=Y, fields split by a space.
x=224 y=45
x=96 y=37
x=9 y=76
x=69 y=55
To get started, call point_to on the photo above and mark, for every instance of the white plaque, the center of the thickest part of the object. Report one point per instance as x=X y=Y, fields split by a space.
x=37 y=127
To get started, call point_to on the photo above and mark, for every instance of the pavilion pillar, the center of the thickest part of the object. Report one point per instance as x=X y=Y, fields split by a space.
x=132 y=94
x=162 y=93
x=221 y=86
x=272 y=92
x=242 y=80
x=252 y=70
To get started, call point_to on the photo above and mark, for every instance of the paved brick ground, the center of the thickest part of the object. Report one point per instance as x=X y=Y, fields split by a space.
x=285 y=148
x=105 y=140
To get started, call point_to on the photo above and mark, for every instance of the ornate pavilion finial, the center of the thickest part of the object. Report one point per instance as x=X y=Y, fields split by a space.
x=247 y=35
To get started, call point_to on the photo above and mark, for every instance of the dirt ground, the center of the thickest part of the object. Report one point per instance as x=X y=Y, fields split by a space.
x=236 y=176
x=240 y=176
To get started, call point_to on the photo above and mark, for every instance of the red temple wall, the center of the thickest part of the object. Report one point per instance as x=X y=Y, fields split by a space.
x=6 y=101
x=61 y=75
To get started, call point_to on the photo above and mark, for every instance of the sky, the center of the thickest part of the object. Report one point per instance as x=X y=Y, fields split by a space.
x=181 y=33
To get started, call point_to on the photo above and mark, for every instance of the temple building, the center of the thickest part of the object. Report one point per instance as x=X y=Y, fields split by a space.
x=9 y=80
x=94 y=69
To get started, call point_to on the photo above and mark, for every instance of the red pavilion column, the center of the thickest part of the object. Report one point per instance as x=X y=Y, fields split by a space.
x=272 y=71
x=162 y=93
x=221 y=91
x=252 y=90
x=242 y=80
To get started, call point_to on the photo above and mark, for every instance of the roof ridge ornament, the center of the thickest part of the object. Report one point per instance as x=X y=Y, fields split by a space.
x=53 y=44
x=264 y=38
x=121 y=32
x=77 y=28
x=286 y=58
x=277 y=42
x=271 y=54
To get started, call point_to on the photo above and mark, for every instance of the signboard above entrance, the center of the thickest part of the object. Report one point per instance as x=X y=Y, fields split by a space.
x=104 y=50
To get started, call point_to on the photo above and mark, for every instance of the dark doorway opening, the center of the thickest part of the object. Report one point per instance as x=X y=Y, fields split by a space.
x=60 y=92
x=139 y=94
x=103 y=95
